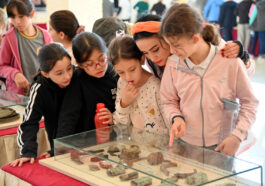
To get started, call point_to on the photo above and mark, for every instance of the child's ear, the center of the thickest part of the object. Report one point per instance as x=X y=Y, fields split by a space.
x=44 y=74
x=195 y=38
x=142 y=60
x=61 y=35
x=32 y=13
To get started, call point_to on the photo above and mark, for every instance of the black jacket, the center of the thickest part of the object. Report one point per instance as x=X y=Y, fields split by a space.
x=242 y=11
x=79 y=106
x=45 y=100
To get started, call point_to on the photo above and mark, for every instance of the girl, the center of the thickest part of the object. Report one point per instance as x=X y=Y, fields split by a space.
x=146 y=35
x=195 y=81
x=63 y=26
x=95 y=82
x=18 y=53
x=46 y=96
x=138 y=99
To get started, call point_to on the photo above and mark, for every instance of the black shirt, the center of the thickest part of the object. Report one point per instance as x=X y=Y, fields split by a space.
x=79 y=106
x=242 y=11
x=45 y=100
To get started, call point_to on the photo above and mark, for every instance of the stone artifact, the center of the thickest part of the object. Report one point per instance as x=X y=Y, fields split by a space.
x=75 y=154
x=130 y=176
x=85 y=159
x=165 y=165
x=97 y=159
x=96 y=151
x=185 y=175
x=197 y=179
x=94 y=168
x=155 y=158
x=116 y=171
x=172 y=179
x=105 y=164
x=112 y=150
x=130 y=153
x=143 y=181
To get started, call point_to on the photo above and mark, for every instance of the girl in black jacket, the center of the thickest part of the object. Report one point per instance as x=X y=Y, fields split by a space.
x=94 y=82
x=46 y=96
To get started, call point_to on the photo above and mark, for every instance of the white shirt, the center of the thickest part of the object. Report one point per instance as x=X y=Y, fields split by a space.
x=201 y=68
x=125 y=9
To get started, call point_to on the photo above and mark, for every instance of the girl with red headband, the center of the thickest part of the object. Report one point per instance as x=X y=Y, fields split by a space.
x=146 y=35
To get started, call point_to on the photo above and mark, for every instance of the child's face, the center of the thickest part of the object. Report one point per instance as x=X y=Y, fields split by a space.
x=62 y=72
x=183 y=47
x=155 y=49
x=54 y=34
x=96 y=65
x=130 y=70
x=20 y=22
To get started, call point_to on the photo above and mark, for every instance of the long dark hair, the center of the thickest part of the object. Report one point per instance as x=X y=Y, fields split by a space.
x=123 y=48
x=66 y=22
x=49 y=55
x=24 y=7
x=83 y=45
x=183 y=20
x=143 y=35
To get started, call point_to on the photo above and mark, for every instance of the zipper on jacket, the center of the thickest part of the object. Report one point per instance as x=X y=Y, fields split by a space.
x=203 y=138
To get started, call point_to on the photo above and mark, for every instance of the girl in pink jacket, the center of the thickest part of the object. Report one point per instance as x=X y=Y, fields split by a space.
x=18 y=53
x=195 y=81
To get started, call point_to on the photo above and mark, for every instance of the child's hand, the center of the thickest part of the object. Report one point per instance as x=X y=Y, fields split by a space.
x=19 y=162
x=178 y=129
x=103 y=134
x=45 y=155
x=129 y=94
x=231 y=50
x=106 y=115
x=229 y=146
x=21 y=81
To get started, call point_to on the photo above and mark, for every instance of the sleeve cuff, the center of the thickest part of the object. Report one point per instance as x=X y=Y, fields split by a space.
x=242 y=135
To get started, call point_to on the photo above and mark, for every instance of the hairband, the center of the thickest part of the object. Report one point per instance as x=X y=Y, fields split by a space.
x=148 y=26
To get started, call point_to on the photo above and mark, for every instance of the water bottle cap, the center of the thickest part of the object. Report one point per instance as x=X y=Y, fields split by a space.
x=100 y=106
x=230 y=104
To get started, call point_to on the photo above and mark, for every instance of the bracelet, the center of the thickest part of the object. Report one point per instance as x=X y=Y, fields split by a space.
x=180 y=116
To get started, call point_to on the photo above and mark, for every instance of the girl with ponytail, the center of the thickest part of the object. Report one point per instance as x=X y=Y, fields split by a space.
x=195 y=81
x=63 y=26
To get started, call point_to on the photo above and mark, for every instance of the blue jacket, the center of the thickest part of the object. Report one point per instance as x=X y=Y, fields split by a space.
x=211 y=10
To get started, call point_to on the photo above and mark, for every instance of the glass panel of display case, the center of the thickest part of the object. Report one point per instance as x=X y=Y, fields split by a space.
x=113 y=152
x=8 y=99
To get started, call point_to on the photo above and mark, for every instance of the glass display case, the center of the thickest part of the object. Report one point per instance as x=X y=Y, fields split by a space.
x=8 y=99
x=129 y=156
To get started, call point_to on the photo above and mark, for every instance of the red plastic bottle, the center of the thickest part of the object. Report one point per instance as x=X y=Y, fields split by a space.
x=99 y=124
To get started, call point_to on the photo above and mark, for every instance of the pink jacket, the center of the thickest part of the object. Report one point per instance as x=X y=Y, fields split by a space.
x=185 y=93
x=10 y=62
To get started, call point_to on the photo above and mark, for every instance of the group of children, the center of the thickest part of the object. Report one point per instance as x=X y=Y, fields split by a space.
x=186 y=103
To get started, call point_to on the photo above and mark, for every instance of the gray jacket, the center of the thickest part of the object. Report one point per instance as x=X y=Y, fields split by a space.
x=259 y=23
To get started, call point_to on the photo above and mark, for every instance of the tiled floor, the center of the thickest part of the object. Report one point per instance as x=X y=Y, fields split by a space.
x=256 y=154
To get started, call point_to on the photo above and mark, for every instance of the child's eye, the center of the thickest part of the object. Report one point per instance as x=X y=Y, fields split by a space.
x=132 y=70
x=69 y=68
x=120 y=73
x=58 y=74
x=156 y=50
